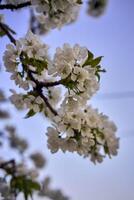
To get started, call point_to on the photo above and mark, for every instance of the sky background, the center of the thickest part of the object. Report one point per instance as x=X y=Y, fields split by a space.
x=111 y=35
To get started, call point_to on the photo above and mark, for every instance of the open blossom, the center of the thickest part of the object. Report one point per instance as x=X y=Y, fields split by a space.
x=53 y=14
x=10 y=57
x=54 y=96
x=84 y=131
x=68 y=64
x=33 y=47
x=77 y=126
x=66 y=58
x=17 y=100
x=29 y=51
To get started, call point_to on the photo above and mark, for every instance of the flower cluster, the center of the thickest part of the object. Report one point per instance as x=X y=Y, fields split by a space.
x=30 y=51
x=53 y=14
x=77 y=126
x=85 y=131
x=71 y=65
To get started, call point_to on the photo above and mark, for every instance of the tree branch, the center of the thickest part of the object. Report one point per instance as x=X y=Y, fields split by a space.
x=15 y=7
x=9 y=165
x=6 y=31
x=38 y=89
x=47 y=103
x=39 y=85
x=5 y=164
x=51 y=84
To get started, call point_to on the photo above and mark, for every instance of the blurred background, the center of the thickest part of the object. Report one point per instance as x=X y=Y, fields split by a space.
x=112 y=36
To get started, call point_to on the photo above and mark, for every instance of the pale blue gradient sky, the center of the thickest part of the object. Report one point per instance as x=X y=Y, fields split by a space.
x=112 y=36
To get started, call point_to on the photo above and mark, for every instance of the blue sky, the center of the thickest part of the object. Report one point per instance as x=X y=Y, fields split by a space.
x=112 y=36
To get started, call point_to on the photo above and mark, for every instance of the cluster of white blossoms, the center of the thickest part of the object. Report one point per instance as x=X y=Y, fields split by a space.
x=69 y=63
x=31 y=50
x=77 y=127
x=83 y=130
x=56 y=13
x=35 y=103
x=51 y=14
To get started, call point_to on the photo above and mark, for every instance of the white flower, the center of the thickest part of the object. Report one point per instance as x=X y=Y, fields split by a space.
x=33 y=47
x=53 y=139
x=33 y=103
x=54 y=96
x=68 y=64
x=10 y=57
x=19 y=81
x=55 y=14
x=17 y=100
x=67 y=58
x=84 y=131
x=28 y=54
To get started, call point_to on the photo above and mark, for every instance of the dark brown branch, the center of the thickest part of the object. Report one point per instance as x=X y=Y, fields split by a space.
x=38 y=89
x=39 y=85
x=47 y=103
x=15 y=7
x=45 y=83
x=9 y=166
x=6 y=31
x=5 y=164
x=51 y=84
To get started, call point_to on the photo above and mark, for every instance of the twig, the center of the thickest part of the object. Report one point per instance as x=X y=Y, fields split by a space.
x=47 y=103
x=51 y=84
x=38 y=89
x=15 y=7
x=9 y=165
x=4 y=28
x=39 y=85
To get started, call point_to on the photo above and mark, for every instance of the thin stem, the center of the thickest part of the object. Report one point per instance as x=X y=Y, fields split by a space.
x=6 y=31
x=15 y=7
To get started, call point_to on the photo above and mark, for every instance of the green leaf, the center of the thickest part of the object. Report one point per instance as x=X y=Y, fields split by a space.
x=2 y=33
x=96 y=61
x=106 y=149
x=89 y=59
x=39 y=65
x=31 y=113
x=25 y=185
x=34 y=185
